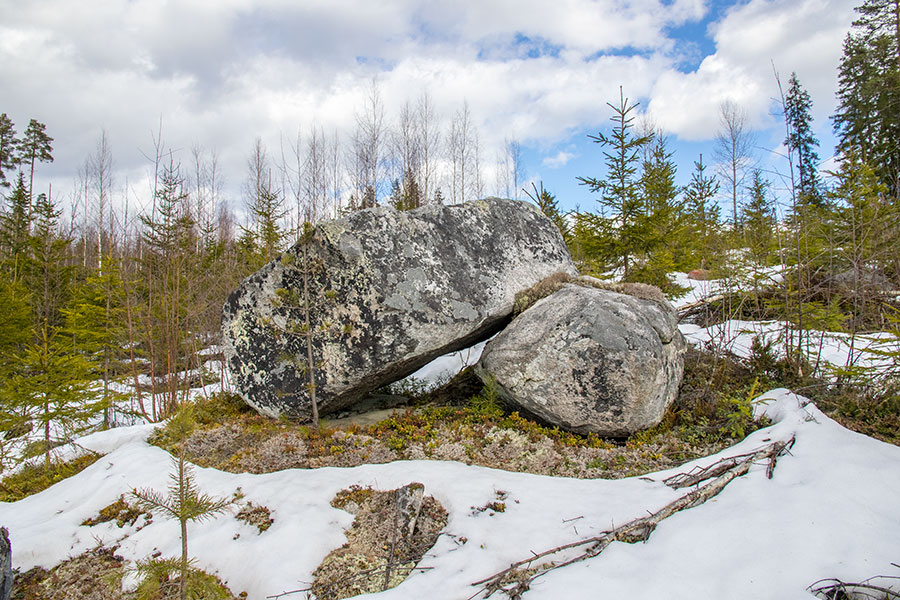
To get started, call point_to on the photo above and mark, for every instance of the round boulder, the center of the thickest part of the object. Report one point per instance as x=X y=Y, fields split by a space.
x=589 y=360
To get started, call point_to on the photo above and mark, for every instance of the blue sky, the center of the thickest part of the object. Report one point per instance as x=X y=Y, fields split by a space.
x=220 y=74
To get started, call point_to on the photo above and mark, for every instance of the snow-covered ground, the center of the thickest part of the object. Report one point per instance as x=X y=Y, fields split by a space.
x=830 y=511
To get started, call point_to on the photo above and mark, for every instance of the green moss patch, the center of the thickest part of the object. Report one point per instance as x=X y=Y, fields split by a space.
x=36 y=478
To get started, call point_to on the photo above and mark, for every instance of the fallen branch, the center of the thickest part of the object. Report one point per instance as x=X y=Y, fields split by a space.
x=517 y=578
x=865 y=589
x=698 y=474
x=689 y=310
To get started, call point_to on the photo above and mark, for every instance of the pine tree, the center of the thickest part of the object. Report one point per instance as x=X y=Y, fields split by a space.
x=620 y=190
x=9 y=149
x=802 y=141
x=35 y=145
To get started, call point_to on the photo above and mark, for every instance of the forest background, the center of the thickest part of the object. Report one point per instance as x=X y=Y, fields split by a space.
x=109 y=306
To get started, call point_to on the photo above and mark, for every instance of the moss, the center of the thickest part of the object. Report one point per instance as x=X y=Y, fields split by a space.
x=35 y=478
x=119 y=511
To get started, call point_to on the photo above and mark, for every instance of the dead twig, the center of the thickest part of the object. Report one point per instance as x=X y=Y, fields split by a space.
x=517 y=578
x=865 y=589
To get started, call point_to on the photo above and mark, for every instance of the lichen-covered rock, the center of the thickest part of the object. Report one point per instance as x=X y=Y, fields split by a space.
x=589 y=360
x=6 y=572
x=388 y=292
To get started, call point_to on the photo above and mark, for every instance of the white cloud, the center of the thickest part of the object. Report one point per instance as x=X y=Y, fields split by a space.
x=559 y=160
x=222 y=73
x=797 y=35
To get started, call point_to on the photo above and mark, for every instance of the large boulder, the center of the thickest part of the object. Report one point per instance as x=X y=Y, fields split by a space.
x=590 y=360
x=388 y=292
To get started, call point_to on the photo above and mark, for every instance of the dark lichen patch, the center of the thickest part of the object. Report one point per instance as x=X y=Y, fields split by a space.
x=256 y=515
x=385 y=543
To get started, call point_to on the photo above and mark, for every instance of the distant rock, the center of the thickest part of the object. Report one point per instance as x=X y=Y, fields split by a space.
x=699 y=275
x=590 y=360
x=390 y=292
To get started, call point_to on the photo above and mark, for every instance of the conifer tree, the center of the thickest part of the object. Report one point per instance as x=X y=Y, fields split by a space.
x=703 y=211
x=95 y=324
x=15 y=326
x=620 y=192
x=53 y=383
x=15 y=226
x=663 y=219
x=9 y=149
x=757 y=227
x=548 y=205
x=802 y=141
x=183 y=501
x=867 y=120
x=35 y=146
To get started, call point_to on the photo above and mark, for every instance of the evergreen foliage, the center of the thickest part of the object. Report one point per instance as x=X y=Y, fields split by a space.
x=9 y=149
x=867 y=120
x=624 y=231
x=802 y=141
x=183 y=500
x=549 y=207
x=703 y=215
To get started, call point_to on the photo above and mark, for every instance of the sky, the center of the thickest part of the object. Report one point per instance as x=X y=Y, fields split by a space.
x=219 y=74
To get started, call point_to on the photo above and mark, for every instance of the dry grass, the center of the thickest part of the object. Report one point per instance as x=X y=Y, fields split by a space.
x=549 y=285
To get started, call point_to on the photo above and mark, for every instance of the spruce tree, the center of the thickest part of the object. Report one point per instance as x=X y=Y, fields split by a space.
x=95 y=323
x=15 y=226
x=802 y=142
x=704 y=213
x=15 y=326
x=549 y=207
x=620 y=191
x=182 y=502
x=663 y=222
x=867 y=120
x=53 y=385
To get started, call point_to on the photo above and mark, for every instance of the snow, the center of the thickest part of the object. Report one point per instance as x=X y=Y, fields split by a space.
x=829 y=511
x=828 y=348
